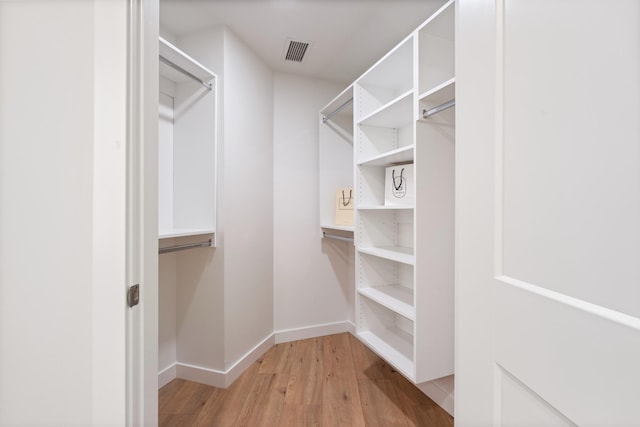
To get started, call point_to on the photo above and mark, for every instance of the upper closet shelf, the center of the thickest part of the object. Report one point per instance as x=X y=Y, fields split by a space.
x=439 y=98
x=394 y=114
x=177 y=66
x=184 y=232
x=338 y=106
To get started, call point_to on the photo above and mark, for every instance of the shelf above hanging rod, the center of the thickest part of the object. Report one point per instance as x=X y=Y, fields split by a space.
x=327 y=117
x=435 y=110
x=173 y=57
x=336 y=237
x=184 y=247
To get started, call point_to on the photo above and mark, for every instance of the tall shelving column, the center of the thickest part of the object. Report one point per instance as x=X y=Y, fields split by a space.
x=404 y=254
x=435 y=173
x=385 y=256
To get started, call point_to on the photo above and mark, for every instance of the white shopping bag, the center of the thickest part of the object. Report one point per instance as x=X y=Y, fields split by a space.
x=344 y=206
x=399 y=186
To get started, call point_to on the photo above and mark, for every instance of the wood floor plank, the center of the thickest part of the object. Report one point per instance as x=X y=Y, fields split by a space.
x=234 y=399
x=340 y=395
x=277 y=359
x=306 y=374
x=265 y=401
x=166 y=393
x=176 y=420
x=188 y=399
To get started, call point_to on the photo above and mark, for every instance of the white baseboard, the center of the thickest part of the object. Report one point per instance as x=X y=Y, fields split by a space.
x=215 y=377
x=245 y=361
x=440 y=391
x=306 y=332
x=166 y=376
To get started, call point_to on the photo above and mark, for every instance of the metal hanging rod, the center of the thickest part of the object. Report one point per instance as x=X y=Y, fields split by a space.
x=208 y=85
x=336 y=237
x=435 y=110
x=184 y=247
x=326 y=118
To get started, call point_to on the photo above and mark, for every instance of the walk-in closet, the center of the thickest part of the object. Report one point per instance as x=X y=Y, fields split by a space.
x=309 y=163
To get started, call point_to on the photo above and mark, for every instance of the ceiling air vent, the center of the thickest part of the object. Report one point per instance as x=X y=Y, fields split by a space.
x=295 y=50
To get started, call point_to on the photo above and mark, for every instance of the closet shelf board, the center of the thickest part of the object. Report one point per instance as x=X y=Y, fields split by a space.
x=393 y=253
x=349 y=228
x=398 y=360
x=439 y=94
x=382 y=208
x=396 y=298
x=184 y=61
x=183 y=232
x=394 y=114
x=399 y=155
x=339 y=100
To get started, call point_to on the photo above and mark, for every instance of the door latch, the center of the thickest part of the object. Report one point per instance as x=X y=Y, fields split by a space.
x=133 y=295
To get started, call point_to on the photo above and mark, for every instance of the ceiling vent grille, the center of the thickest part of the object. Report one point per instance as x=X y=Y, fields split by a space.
x=295 y=50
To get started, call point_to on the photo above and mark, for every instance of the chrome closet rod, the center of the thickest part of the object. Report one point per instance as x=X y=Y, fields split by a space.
x=336 y=237
x=184 y=247
x=326 y=118
x=186 y=73
x=435 y=110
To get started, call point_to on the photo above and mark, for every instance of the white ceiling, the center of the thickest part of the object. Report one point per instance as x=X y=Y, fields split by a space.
x=346 y=36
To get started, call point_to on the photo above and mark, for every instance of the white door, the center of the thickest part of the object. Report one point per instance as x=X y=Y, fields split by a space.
x=548 y=213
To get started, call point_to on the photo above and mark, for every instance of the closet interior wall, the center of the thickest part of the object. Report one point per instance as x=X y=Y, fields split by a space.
x=216 y=310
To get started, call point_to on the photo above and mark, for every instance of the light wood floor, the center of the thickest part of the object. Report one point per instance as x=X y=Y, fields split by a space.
x=325 y=381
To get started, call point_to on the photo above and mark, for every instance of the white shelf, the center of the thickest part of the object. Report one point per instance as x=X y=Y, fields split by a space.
x=444 y=92
x=399 y=155
x=348 y=228
x=174 y=55
x=382 y=208
x=398 y=360
x=184 y=232
x=394 y=114
x=338 y=101
x=396 y=298
x=393 y=253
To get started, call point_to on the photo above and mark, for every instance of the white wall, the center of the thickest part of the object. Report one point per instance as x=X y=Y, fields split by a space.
x=247 y=179
x=224 y=296
x=313 y=283
x=62 y=152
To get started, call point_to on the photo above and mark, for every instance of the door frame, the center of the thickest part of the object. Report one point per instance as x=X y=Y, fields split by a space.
x=142 y=213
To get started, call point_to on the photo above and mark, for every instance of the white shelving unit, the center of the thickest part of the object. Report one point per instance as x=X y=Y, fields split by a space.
x=404 y=254
x=187 y=146
x=335 y=160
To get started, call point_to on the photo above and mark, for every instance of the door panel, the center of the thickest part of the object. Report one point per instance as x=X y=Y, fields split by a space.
x=570 y=112
x=548 y=208
x=569 y=353
x=521 y=407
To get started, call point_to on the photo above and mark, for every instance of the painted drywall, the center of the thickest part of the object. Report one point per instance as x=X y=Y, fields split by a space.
x=167 y=277
x=224 y=296
x=247 y=216
x=200 y=272
x=62 y=195
x=313 y=284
